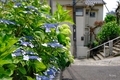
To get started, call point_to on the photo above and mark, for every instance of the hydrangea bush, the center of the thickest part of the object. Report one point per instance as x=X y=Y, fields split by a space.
x=35 y=45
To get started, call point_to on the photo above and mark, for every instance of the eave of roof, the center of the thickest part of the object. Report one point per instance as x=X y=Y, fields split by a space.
x=93 y=2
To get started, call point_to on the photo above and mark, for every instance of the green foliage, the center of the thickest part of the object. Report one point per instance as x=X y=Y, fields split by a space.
x=61 y=15
x=50 y=43
x=93 y=44
x=110 y=17
x=109 y=31
x=6 y=48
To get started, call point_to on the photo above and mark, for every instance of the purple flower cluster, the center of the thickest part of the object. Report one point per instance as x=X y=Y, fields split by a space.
x=32 y=8
x=27 y=44
x=17 y=5
x=21 y=52
x=7 y=22
x=27 y=12
x=50 y=74
x=18 y=52
x=55 y=45
x=28 y=9
x=49 y=26
x=30 y=57
x=38 y=77
x=23 y=41
x=27 y=55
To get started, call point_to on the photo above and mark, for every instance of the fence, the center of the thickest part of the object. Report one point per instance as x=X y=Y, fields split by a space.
x=107 y=48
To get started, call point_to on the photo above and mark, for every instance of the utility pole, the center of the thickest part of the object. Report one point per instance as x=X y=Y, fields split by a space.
x=50 y=6
x=74 y=29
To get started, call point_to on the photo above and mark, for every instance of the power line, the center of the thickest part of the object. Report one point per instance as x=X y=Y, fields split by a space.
x=107 y=8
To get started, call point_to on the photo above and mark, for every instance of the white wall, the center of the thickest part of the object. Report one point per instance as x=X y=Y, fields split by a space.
x=80 y=30
x=100 y=12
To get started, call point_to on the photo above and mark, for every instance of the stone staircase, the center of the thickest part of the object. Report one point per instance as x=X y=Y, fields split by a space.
x=100 y=54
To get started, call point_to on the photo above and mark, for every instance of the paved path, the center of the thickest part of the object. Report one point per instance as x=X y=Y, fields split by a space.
x=107 y=69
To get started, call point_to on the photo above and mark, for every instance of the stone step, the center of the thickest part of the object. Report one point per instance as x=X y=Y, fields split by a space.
x=100 y=56
x=118 y=46
x=115 y=52
x=116 y=49
x=117 y=55
x=95 y=58
x=118 y=43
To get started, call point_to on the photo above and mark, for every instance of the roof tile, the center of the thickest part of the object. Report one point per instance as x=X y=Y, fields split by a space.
x=93 y=2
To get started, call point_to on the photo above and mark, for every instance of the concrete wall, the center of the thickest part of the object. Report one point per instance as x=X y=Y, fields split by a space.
x=80 y=27
x=82 y=52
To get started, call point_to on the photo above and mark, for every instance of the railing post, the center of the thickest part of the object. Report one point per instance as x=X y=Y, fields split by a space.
x=104 y=49
x=108 y=50
x=110 y=47
x=88 y=54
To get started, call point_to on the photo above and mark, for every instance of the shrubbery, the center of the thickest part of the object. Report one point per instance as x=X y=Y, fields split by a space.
x=109 y=31
x=34 y=44
x=110 y=18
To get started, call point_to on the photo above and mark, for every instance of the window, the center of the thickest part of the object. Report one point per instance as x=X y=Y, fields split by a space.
x=79 y=11
x=92 y=14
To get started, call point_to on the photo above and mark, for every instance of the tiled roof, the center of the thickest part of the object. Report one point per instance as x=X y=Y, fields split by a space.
x=93 y=2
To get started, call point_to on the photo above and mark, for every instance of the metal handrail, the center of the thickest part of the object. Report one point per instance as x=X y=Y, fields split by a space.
x=102 y=44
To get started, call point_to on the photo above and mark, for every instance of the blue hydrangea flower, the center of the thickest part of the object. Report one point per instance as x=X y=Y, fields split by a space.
x=54 y=69
x=22 y=39
x=29 y=52
x=6 y=22
x=44 y=78
x=49 y=26
x=38 y=77
x=24 y=43
x=33 y=57
x=17 y=5
x=18 y=52
x=55 y=44
x=51 y=77
x=27 y=57
x=30 y=45
x=27 y=44
x=32 y=8
x=27 y=12
x=50 y=72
